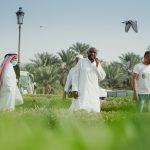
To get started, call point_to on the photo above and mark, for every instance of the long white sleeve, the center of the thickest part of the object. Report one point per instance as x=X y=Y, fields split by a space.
x=75 y=77
x=69 y=80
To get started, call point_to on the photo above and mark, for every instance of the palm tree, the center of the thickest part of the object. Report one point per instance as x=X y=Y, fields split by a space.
x=47 y=77
x=114 y=76
x=45 y=59
x=45 y=68
x=128 y=61
x=30 y=67
x=80 y=48
x=68 y=60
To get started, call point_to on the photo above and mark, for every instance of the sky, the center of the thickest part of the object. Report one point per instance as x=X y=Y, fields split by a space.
x=53 y=25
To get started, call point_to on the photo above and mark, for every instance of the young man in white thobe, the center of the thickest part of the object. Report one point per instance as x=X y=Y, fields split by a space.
x=85 y=85
x=141 y=83
x=68 y=85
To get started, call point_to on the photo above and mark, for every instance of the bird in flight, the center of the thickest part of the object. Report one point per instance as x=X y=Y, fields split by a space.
x=41 y=27
x=131 y=23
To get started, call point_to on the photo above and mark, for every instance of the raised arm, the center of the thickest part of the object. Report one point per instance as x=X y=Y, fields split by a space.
x=100 y=70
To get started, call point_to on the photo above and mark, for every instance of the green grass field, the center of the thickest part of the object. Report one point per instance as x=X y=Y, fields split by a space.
x=45 y=123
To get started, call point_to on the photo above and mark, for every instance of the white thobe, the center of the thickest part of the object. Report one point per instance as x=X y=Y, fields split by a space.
x=68 y=86
x=8 y=88
x=69 y=80
x=85 y=81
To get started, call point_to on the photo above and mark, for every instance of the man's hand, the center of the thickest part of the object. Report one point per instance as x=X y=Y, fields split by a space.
x=135 y=97
x=75 y=94
x=97 y=62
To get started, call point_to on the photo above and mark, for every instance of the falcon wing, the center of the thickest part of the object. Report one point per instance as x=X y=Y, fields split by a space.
x=134 y=26
x=127 y=26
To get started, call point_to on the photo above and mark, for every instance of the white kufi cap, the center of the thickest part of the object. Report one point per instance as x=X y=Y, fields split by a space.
x=79 y=56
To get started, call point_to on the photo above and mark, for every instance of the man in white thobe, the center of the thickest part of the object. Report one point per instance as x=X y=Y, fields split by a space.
x=68 y=85
x=8 y=83
x=85 y=85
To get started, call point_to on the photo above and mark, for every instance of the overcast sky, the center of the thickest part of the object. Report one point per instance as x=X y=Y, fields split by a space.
x=52 y=25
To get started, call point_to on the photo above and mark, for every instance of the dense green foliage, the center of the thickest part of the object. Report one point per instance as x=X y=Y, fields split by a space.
x=44 y=122
x=50 y=70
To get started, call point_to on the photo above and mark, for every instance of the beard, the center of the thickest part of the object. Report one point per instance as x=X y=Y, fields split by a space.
x=91 y=58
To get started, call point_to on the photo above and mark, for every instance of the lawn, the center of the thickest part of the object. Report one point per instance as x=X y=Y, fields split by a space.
x=44 y=122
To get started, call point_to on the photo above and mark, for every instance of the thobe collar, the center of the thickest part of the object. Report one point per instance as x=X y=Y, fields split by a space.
x=90 y=61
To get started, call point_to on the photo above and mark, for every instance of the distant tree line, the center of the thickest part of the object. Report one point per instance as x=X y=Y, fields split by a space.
x=50 y=71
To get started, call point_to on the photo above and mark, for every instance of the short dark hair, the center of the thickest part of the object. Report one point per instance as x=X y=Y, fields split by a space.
x=92 y=48
x=146 y=53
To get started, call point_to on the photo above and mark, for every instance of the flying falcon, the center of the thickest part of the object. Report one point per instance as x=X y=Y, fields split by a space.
x=130 y=23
